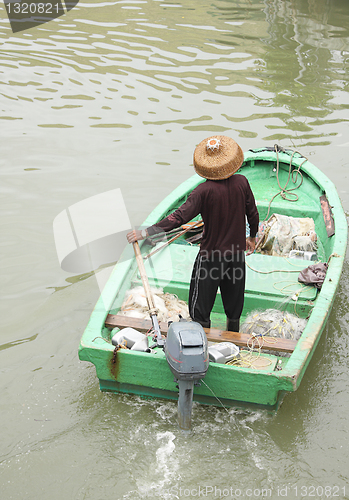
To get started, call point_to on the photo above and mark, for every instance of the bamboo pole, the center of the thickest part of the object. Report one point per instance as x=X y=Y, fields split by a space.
x=192 y=226
x=148 y=294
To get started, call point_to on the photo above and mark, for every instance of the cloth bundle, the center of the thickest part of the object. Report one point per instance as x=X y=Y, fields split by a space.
x=313 y=275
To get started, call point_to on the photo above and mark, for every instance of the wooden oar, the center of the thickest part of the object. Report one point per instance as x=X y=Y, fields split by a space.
x=149 y=296
x=160 y=236
x=187 y=227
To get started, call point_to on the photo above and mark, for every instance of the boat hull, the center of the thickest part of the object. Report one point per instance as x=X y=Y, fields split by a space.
x=265 y=382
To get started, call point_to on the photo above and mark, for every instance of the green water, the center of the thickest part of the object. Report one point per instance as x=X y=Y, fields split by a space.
x=117 y=94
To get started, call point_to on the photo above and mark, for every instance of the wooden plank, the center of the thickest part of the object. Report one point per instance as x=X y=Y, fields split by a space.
x=328 y=216
x=143 y=325
x=213 y=334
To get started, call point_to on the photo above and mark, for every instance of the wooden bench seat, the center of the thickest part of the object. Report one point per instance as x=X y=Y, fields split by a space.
x=213 y=334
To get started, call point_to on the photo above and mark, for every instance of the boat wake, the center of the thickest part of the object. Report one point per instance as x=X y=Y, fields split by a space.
x=164 y=474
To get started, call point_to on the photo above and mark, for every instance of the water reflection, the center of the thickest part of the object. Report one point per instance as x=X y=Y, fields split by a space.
x=112 y=62
x=18 y=342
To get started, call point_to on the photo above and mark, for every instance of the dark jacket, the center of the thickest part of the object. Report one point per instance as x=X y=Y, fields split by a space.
x=223 y=205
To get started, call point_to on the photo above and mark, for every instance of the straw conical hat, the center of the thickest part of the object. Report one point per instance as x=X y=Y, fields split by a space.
x=217 y=157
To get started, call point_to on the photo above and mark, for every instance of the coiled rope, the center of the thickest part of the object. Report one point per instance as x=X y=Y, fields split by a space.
x=287 y=193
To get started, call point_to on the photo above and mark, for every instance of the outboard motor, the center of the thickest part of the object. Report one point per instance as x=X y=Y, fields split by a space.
x=186 y=353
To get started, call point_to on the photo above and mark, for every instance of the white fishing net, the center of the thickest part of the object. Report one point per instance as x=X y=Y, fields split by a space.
x=274 y=323
x=282 y=233
x=168 y=305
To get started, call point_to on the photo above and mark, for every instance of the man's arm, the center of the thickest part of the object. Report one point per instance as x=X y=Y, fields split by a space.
x=185 y=213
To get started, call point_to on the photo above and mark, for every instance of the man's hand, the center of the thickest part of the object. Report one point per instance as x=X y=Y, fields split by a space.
x=136 y=235
x=250 y=245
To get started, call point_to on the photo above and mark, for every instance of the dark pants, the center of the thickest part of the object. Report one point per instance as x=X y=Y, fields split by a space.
x=210 y=273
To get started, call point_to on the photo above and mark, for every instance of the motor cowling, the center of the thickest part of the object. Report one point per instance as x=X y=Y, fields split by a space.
x=186 y=350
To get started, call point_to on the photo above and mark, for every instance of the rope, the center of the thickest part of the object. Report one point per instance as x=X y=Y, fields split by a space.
x=293 y=295
x=202 y=380
x=332 y=255
x=250 y=359
x=273 y=271
x=153 y=311
x=105 y=340
x=302 y=288
x=284 y=191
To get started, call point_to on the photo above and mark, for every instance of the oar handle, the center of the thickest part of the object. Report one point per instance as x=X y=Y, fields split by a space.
x=148 y=294
x=144 y=277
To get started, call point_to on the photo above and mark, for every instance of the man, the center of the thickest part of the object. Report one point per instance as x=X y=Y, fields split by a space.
x=223 y=201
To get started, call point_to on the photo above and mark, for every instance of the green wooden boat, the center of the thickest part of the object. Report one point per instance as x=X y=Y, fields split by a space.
x=265 y=380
